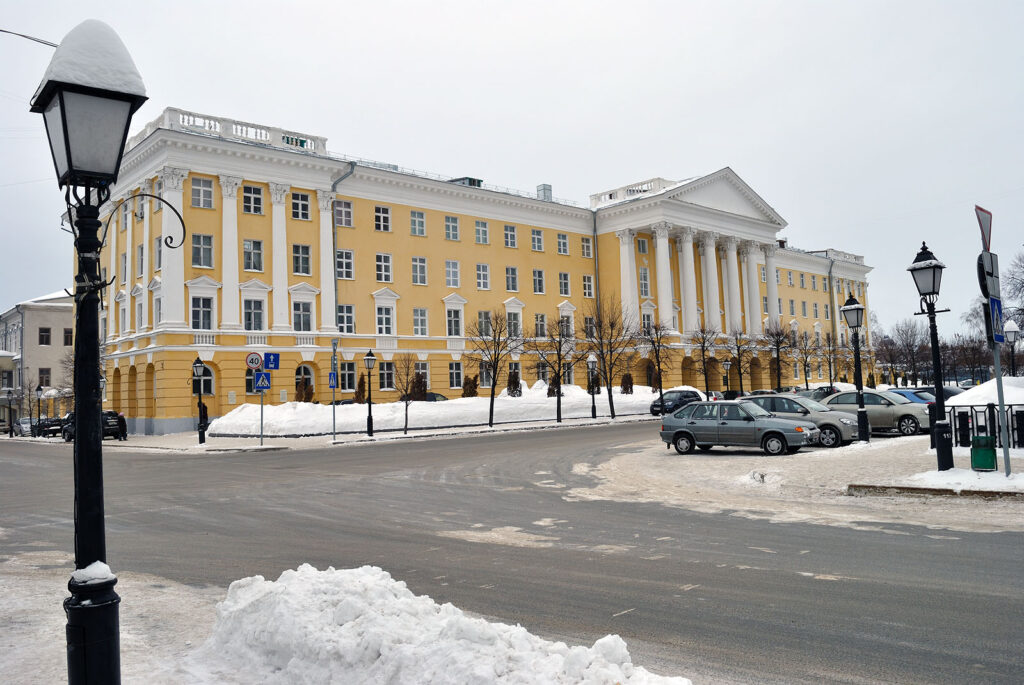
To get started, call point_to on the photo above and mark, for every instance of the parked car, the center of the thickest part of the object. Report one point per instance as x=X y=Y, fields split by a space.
x=429 y=397
x=715 y=395
x=674 y=400
x=49 y=427
x=109 y=420
x=837 y=427
x=819 y=393
x=886 y=410
x=732 y=423
x=947 y=390
x=23 y=426
x=762 y=392
x=915 y=395
x=734 y=394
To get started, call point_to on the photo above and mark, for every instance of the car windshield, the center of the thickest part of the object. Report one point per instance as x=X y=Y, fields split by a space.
x=925 y=395
x=672 y=394
x=813 y=405
x=755 y=410
x=893 y=397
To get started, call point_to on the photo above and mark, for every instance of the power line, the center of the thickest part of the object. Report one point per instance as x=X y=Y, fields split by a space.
x=38 y=40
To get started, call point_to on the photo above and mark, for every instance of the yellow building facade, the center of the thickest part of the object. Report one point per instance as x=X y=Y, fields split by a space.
x=288 y=247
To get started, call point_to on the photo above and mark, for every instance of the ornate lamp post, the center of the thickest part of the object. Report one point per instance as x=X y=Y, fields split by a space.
x=591 y=367
x=198 y=375
x=10 y=413
x=853 y=313
x=37 y=430
x=1011 y=331
x=369 y=361
x=87 y=98
x=727 y=364
x=927 y=273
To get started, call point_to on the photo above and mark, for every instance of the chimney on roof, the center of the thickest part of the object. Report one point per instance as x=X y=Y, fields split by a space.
x=544 y=192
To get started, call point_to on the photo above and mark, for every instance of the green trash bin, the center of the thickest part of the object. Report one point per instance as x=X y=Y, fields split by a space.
x=983 y=453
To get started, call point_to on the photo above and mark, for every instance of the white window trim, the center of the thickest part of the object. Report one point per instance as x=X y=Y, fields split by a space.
x=303 y=292
x=386 y=297
x=204 y=286
x=456 y=302
x=254 y=289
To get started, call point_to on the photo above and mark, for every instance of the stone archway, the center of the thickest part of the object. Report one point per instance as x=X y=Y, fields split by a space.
x=115 y=390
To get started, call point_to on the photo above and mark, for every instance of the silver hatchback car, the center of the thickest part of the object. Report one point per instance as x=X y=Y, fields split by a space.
x=741 y=424
x=837 y=427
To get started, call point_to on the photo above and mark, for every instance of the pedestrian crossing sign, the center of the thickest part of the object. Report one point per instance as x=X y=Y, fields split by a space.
x=332 y=379
x=261 y=380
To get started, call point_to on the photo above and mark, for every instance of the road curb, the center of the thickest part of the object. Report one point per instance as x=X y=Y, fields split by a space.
x=860 y=490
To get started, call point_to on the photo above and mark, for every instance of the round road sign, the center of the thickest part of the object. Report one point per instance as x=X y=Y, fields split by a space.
x=253 y=360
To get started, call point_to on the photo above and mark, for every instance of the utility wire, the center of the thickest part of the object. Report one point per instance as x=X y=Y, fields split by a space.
x=38 y=40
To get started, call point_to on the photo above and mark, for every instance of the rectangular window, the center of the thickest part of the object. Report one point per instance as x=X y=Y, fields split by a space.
x=562 y=241
x=821 y=371
x=483 y=277
x=347 y=376
x=346 y=318
x=515 y=324
x=780 y=305
x=538 y=281
x=764 y=304
x=482 y=234
x=158 y=253
x=589 y=328
x=792 y=308
x=536 y=240
x=300 y=206
x=796 y=371
x=510 y=236
x=764 y=274
x=451 y=228
x=451 y=273
x=644 y=281
x=789 y=277
x=158 y=310
x=540 y=326
x=124 y=267
x=122 y=320
x=588 y=285
x=69 y=337
x=202 y=250
x=826 y=312
x=860 y=293
x=565 y=326
x=202 y=193
x=252 y=255
x=511 y=279
x=383 y=267
x=454 y=320
x=824 y=285
x=815 y=310
x=300 y=260
x=202 y=313
x=140 y=260
x=483 y=323
x=344 y=264
x=385 y=321
x=814 y=282
x=563 y=284
x=252 y=200
x=417 y=223
x=647 y=321
x=454 y=375
x=419 y=270
x=641 y=245
x=803 y=308
x=542 y=372
x=44 y=376
x=419 y=321
x=586 y=248
x=44 y=336
x=422 y=369
x=302 y=316
x=158 y=190
x=343 y=214
x=485 y=375
x=803 y=281
x=252 y=315
x=386 y=375
x=382 y=218
x=778 y=277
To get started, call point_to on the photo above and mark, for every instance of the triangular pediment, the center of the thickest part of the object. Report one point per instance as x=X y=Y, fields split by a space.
x=514 y=303
x=137 y=290
x=454 y=299
x=303 y=289
x=724 y=191
x=384 y=294
x=155 y=283
x=566 y=306
x=255 y=285
x=202 y=282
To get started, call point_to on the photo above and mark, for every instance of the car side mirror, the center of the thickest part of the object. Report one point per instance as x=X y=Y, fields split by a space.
x=805 y=411
x=748 y=417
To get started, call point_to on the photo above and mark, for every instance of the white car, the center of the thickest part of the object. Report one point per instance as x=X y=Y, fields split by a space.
x=886 y=410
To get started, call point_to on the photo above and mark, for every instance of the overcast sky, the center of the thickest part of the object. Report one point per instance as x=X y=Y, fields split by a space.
x=869 y=126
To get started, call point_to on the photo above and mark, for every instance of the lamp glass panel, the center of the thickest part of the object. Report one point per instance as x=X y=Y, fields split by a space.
x=927 y=280
x=96 y=132
x=54 y=120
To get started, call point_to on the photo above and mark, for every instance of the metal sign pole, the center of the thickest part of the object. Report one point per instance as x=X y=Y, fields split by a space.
x=262 y=392
x=334 y=386
x=1001 y=417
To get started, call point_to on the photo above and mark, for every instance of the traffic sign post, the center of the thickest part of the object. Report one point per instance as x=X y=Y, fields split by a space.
x=253 y=360
x=261 y=383
x=271 y=361
x=333 y=382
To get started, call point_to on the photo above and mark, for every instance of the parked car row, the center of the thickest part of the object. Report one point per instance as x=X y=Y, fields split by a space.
x=109 y=420
x=729 y=423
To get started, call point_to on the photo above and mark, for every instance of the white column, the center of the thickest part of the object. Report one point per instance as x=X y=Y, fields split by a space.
x=328 y=310
x=230 y=315
x=663 y=262
x=174 y=314
x=732 y=275
x=687 y=279
x=753 y=291
x=280 y=253
x=129 y=265
x=709 y=272
x=147 y=246
x=627 y=277
x=773 y=286
x=112 y=274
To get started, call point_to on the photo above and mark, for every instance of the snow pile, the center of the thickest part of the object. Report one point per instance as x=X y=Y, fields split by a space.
x=966 y=479
x=361 y=626
x=96 y=572
x=303 y=418
x=1013 y=393
x=93 y=55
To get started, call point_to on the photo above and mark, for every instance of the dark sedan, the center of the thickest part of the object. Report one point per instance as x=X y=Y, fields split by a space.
x=109 y=420
x=674 y=400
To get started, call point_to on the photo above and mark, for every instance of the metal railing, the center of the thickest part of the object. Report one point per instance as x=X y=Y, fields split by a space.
x=970 y=421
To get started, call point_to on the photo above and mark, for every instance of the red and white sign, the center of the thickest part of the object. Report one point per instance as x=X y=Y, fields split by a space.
x=985 y=222
x=253 y=360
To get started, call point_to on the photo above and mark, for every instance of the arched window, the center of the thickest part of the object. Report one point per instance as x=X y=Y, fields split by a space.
x=206 y=382
x=303 y=375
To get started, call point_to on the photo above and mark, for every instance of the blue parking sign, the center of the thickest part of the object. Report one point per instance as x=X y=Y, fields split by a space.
x=261 y=380
x=272 y=361
x=332 y=380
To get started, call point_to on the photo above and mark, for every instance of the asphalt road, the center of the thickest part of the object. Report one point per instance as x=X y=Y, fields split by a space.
x=714 y=597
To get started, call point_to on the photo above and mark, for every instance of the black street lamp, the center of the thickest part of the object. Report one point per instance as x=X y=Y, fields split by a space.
x=1011 y=331
x=591 y=367
x=853 y=312
x=927 y=273
x=369 y=360
x=10 y=413
x=38 y=428
x=87 y=97
x=199 y=372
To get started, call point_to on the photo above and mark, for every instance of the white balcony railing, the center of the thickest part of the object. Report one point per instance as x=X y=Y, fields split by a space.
x=456 y=344
x=204 y=339
x=256 y=339
x=308 y=340
x=387 y=343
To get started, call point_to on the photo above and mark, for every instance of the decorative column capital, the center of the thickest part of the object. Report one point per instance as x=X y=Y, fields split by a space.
x=769 y=250
x=730 y=243
x=625 y=236
x=278 y=191
x=324 y=198
x=661 y=229
x=229 y=185
x=686 y=233
x=708 y=239
x=173 y=177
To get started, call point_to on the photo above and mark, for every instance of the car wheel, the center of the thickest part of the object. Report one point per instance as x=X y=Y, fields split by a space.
x=908 y=425
x=830 y=437
x=704 y=448
x=683 y=443
x=773 y=444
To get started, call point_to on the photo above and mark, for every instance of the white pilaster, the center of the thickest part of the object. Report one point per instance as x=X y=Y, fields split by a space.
x=753 y=291
x=732 y=274
x=328 y=310
x=709 y=273
x=230 y=314
x=663 y=262
x=129 y=264
x=280 y=252
x=687 y=279
x=174 y=259
x=147 y=247
x=112 y=274
x=627 y=277
x=773 y=286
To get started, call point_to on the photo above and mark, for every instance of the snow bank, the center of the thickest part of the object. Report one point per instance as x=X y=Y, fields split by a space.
x=966 y=479
x=303 y=418
x=1013 y=393
x=362 y=626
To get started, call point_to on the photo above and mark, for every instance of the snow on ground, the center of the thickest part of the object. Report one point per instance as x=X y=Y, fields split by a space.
x=966 y=479
x=1013 y=393
x=304 y=418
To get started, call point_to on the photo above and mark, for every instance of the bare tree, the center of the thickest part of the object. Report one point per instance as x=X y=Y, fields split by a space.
x=888 y=355
x=492 y=342
x=778 y=340
x=704 y=338
x=405 y=382
x=912 y=341
x=654 y=338
x=804 y=352
x=556 y=351
x=830 y=353
x=741 y=346
x=610 y=336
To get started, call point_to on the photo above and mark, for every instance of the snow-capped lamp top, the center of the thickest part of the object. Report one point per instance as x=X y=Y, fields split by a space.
x=92 y=56
x=927 y=272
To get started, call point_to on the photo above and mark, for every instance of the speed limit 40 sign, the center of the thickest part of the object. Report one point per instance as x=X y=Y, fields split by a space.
x=253 y=360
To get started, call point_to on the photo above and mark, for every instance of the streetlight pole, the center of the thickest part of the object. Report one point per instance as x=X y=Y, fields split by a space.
x=369 y=360
x=10 y=414
x=39 y=412
x=198 y=374
x=1010 y=332
x=591 y=367
x=853 y=312
x=927 y=273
